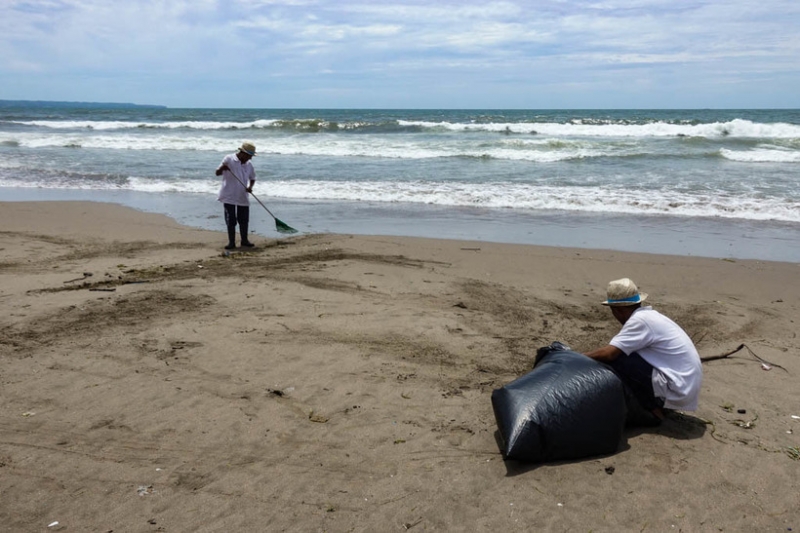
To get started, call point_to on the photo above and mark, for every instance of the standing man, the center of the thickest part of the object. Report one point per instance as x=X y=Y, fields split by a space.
x=238 y=178
x=652 y=355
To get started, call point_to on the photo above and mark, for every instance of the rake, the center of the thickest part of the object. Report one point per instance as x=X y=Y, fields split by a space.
x=280 y=225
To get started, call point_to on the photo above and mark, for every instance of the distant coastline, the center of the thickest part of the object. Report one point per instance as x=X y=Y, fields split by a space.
x=79 y=105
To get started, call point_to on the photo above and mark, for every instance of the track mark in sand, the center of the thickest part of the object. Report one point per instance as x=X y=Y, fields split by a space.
x=180 y=345
x=454 y=433
x=328 y=284
x=320 y=258
x=137 y=310
x=303 y=411
x=109 y=424
x=190 y=480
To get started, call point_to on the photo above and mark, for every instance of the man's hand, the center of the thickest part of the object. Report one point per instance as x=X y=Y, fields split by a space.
x=221 y=169
x=605 y=354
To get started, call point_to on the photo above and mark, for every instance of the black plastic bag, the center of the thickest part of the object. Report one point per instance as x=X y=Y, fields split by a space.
x=568 y=407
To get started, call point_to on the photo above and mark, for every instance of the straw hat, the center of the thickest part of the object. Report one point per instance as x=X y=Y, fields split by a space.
x=248 y=148
x=622 y=292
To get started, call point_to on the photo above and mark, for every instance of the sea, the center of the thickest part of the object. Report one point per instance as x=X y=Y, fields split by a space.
x=710 y=183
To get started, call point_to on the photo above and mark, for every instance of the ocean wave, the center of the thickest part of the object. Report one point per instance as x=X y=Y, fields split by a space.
x=100 y=125
x=538 y=150
x=737 y=128
x=155 y=142
x=309 y=125
x=761 y=155
x=538 y=197
x=506 y=195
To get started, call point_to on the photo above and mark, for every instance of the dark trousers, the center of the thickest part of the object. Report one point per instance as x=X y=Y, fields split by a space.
x=637 y=375
x=237 y=214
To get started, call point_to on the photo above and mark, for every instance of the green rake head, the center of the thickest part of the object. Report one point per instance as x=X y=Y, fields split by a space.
x=283 y=227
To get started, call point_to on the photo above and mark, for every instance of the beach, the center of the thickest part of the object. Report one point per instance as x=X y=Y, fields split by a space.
x=701 y=182
x=335 y=382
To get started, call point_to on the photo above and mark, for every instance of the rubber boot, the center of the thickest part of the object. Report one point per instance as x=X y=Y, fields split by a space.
x=231 y=238
x=243 y=226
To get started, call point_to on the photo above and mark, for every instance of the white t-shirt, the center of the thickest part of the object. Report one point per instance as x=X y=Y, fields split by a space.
x=232 y=190
x=677 y=370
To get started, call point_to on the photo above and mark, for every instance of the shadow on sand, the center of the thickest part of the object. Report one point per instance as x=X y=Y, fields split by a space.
x=676 y=426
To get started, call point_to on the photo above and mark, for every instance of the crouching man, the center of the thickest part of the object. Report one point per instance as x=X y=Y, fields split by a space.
x=652 y=355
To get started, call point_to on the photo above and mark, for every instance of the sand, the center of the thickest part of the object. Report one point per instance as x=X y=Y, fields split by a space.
x=150 y=382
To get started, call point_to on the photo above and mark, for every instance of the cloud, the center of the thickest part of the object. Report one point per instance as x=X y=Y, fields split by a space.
x=207 y=52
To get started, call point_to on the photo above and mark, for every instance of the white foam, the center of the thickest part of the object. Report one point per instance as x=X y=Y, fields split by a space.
x=527 y=196
x=761 y=155
x=506 y=195
x=158 y=142
x=181 y=186
x=736 y=128
x=540 y=149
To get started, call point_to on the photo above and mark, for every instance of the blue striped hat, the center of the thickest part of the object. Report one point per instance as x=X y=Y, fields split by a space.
x=623 y=292
x=248 y=148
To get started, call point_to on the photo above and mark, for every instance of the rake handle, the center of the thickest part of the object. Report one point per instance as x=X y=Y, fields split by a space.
x=251 y=192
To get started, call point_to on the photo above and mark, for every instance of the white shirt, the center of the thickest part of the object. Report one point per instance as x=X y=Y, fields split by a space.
x=233 y=190
x=677 y=370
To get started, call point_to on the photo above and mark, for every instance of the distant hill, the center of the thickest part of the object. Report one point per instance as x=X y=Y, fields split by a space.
x=81 y=105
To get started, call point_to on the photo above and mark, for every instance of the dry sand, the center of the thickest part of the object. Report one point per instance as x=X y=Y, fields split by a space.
x=335 y=383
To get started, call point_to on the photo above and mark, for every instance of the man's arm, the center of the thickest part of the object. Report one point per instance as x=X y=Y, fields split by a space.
x=605 y=354
x=223 y=166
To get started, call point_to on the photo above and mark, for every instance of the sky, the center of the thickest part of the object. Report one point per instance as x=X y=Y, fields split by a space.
x=548 y=54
